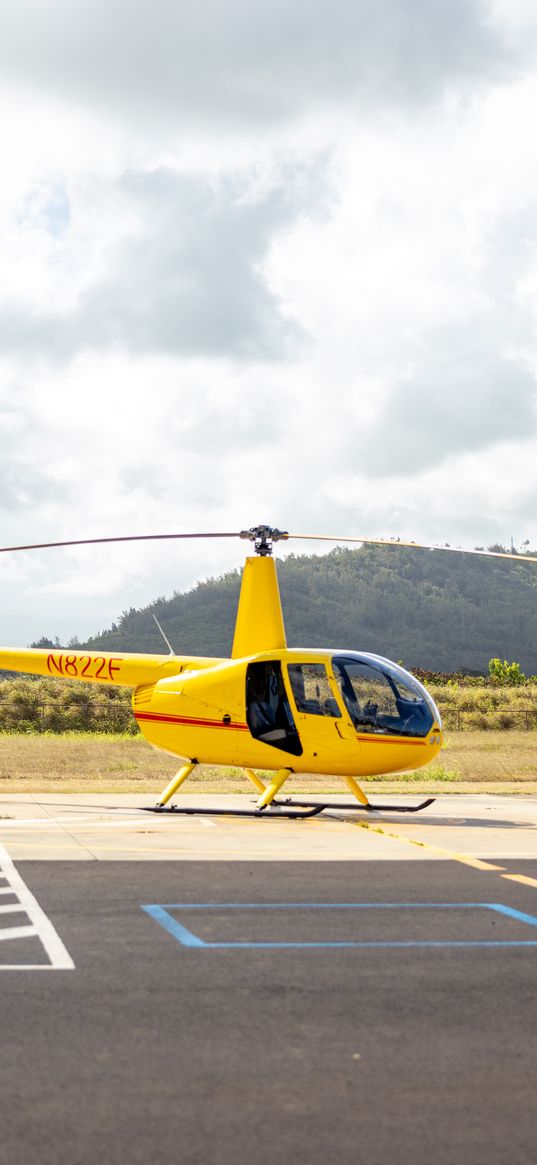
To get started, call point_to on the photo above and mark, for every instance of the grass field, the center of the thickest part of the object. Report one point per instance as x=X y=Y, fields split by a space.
x=470 y=761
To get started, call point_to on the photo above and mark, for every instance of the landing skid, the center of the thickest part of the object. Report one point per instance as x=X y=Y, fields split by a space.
x=365 y=808
x=287 y=808
x=192 y=811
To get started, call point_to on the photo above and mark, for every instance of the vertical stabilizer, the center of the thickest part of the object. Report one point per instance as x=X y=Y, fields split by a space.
x=259 y=625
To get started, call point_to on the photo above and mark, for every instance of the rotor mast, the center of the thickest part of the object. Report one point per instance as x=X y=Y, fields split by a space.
x=259 y=626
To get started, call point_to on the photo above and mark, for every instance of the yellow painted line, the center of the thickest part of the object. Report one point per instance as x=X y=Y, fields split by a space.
x=521 y=878
x=476 y=863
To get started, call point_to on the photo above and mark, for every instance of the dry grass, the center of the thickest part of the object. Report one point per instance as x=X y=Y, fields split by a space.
x=488 y=708
x=471 y=761
x=81 y=762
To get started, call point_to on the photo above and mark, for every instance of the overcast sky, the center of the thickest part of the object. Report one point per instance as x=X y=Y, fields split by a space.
x=260 y=262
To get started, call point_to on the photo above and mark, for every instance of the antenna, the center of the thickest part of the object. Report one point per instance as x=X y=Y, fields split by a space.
x=165 y=638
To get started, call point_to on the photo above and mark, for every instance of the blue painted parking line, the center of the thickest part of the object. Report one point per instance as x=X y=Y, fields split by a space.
x=184 y=936
x=160 y=912
x=508 y=910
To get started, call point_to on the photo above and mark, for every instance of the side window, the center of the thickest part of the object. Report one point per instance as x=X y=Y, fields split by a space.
x=311 y=689
x=268 y=711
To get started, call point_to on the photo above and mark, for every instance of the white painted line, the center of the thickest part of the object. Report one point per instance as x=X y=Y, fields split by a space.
x=17 y=932
x=27 y=967
x=6 y=890
x=59 y=957
x=12 y=908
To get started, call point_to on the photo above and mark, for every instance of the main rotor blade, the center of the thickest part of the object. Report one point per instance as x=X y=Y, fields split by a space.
x=287 y=537
x=415 y=546
x=124 y=538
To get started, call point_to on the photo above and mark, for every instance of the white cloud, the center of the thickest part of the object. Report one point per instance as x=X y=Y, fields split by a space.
x=221 y=66
x=260 y=264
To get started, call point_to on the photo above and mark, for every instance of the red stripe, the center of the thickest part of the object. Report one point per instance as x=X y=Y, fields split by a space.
x=164 y=718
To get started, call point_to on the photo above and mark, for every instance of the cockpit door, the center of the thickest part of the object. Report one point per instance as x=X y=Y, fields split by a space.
x=317 y=713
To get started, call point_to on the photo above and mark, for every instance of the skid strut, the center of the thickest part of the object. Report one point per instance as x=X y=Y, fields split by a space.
x=268 y=805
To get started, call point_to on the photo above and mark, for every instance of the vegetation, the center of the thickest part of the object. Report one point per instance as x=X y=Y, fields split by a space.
x=468 y=703
x=56 y=706
x=486 y=707
x=506 y=673
x=428 y=608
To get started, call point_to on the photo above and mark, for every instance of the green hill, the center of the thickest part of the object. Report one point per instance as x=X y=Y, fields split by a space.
x=430 y=609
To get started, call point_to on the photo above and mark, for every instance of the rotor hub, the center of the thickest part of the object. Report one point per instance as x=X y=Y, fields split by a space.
x=263 y=538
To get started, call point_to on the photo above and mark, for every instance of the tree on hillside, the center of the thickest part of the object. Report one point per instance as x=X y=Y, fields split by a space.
x=436 y=611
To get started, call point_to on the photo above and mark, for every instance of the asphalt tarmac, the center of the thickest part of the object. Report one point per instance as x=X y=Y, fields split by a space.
x=379 y=1011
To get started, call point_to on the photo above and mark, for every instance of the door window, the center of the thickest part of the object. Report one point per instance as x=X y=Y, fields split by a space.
x=311 y=689
x=268 y=711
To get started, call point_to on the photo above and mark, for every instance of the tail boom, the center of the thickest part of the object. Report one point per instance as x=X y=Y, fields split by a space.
x=124 y=669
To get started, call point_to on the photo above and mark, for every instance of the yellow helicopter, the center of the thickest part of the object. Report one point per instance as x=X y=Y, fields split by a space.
x=268 y=707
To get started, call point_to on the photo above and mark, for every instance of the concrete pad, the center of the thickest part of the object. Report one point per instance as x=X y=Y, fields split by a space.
x=98 y=827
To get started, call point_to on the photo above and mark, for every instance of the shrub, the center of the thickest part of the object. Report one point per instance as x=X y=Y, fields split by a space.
x=506 y=673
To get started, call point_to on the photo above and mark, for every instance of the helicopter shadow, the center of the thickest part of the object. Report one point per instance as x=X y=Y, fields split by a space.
x=429 y=820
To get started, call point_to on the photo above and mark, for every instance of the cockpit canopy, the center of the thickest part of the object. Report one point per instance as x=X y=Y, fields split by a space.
x=382 y=698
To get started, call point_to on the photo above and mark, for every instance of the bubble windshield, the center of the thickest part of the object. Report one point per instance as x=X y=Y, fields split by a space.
x=382 y=698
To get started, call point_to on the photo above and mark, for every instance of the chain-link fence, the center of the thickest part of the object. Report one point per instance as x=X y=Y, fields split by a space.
x=27 y=715
x=487 y=719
